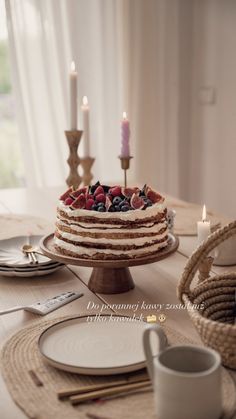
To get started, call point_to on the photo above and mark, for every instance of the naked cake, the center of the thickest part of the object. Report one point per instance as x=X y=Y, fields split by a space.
x=111 y=222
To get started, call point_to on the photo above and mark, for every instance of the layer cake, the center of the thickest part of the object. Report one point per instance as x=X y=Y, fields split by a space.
x=103 y=222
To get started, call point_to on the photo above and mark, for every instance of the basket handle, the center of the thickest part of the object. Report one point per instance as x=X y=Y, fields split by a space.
x=200 y=253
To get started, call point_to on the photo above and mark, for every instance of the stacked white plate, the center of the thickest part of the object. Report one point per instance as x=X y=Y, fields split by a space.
x=13 y=262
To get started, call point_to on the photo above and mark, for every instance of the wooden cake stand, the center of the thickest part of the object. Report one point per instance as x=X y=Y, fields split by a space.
x=108 y=276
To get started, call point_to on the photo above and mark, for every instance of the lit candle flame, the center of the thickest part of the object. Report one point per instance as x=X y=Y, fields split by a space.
x=204 y=213
x=85 y=100
x=72 y=66
x=124 y=115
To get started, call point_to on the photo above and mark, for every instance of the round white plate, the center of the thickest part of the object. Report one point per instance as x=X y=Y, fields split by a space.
x=29 y=273
x=12 y=255
x=30 y=267
x=112 y=345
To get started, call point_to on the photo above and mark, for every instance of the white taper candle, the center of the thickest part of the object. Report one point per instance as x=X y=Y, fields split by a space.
x=86 y=134
x=73 y=97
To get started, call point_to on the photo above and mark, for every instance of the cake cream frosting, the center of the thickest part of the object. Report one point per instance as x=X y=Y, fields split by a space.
x=135 y=228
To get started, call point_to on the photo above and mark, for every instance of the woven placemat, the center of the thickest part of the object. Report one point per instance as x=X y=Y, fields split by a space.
x=20 y=355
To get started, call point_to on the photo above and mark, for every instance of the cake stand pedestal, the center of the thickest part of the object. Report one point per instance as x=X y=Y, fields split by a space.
x=111 y=280
x=108 y=276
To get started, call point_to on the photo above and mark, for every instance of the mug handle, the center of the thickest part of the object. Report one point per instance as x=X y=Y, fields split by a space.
x=147 y=346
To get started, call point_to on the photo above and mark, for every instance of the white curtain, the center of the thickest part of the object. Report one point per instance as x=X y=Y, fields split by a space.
x=119 y=49
x=45 y=36
x=152 y=58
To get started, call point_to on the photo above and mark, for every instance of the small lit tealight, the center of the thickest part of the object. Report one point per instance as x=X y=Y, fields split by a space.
x=203 y=227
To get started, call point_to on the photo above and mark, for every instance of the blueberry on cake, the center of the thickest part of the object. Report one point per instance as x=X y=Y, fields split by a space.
x=111 y=222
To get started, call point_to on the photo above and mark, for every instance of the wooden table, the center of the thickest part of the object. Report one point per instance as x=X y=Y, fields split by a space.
x=155 y=283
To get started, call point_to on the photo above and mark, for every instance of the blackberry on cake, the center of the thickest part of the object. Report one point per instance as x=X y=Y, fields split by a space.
x=111 y=222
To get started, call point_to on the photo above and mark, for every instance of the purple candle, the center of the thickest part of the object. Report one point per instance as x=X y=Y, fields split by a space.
x=125 y=134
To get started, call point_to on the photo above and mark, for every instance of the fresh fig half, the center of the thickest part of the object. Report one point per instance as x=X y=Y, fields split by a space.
x=79 y=203
x=136 y=201
x=128 y=192
x=79 y=191
x=108 y=203
x=66 y=195
x=154 y=196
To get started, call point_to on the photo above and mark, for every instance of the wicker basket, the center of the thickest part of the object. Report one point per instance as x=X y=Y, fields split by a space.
x=215 y=321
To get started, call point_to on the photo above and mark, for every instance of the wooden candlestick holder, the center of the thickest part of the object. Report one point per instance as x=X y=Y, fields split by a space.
x=73 y=138
x=125 y=163
x=86 y=163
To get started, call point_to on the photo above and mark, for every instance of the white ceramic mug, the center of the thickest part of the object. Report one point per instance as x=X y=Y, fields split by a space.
x=186 y=378
x=225 y=252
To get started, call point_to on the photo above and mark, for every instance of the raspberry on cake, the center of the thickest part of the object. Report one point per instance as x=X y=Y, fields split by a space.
x=111 y=222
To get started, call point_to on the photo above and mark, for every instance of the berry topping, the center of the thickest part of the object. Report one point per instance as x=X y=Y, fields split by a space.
x=128 y=192
x=89 y=204
x=125 y=208
x=68 y=201
x=66 y=194
x=89 y=196
x=79 y=191
x=154 y=196
x=148 y=202
x=115 y=191
x=104 y=198
x=99 y=190
x=80 y=202
x=100 y=197
x=137 y=202
x=124 y=202
x=117 y=200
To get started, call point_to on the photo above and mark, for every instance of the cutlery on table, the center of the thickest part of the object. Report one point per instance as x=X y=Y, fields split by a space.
x=48 y=305
x=30 y=252
x=118 y=390
x=141 y=378
x=129 y=393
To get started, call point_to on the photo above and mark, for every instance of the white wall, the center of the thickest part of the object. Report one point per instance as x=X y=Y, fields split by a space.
x=213 y=106
x=152 y=54
x=181 y=83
